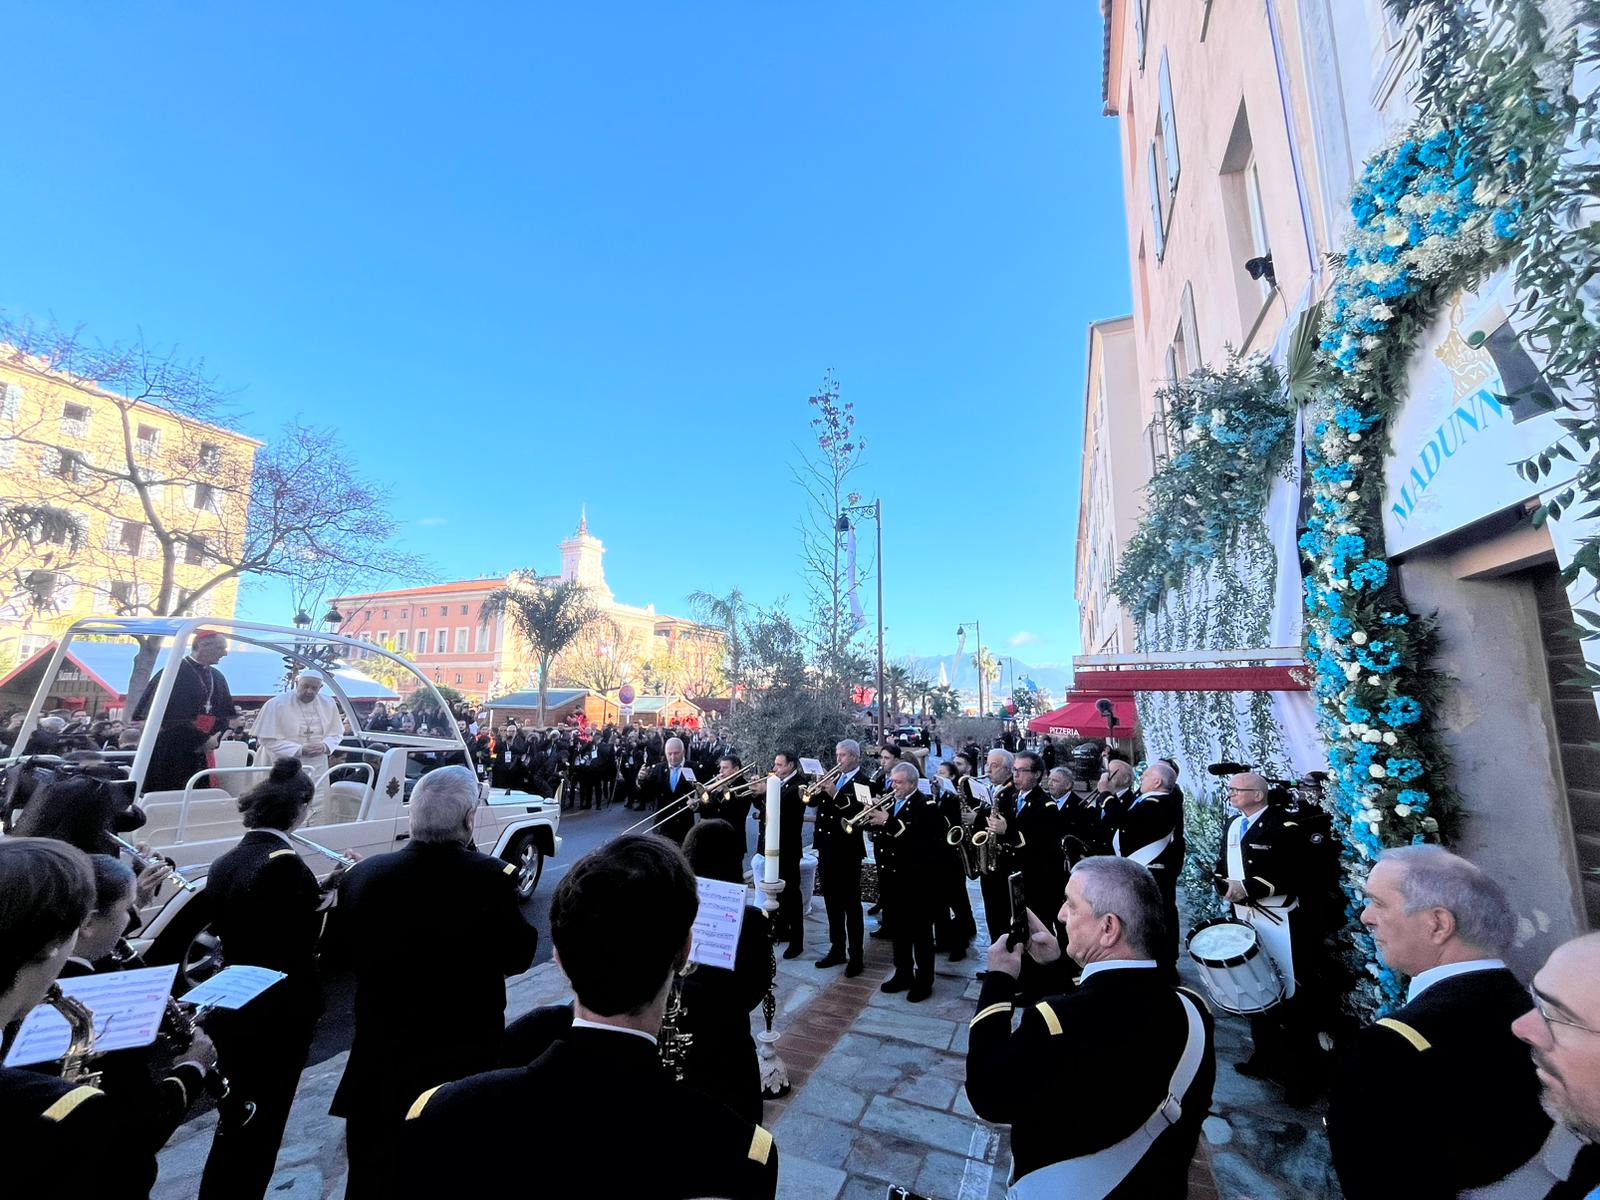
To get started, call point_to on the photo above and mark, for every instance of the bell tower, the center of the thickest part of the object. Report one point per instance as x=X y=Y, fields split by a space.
x=580 y=558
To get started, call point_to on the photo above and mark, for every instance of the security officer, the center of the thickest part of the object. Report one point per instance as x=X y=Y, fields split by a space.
x=435 y=927
x=1265 y=867
x=909 y=840
x=840 y=852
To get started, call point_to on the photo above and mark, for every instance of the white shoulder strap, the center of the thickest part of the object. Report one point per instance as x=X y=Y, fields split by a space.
x=1093 y=1176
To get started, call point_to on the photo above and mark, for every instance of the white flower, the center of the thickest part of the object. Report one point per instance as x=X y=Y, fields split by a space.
x=1389 y=738
x=1359 y=637
x=1356 y=459
x=1375 y=681
x=1372 y=735
x=1377 y=770
x=1219 y=416
x=1352 y=671
x=1402 y=810
x=1372 y=828
x=1354 y=437
x=1359 y=727
x=1382 y=312
x=1372 y=814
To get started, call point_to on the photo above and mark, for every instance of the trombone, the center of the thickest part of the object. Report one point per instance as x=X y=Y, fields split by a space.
x=141 y=861
x=698 y=794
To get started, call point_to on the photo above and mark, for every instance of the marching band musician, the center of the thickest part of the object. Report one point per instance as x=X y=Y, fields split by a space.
x=1264 y=870
x=790 y=924
x=956 y=927
x=267 y=909
x=719 y=803
x=840 y=852
x=1150 y=831
x=1001 y=813
x=620 y=920
x=908 y=836
x=1111 y=799
x=665 y=784
x=1039 y=827
x=154 y=1091
x=888 y=756
x=54 y=1126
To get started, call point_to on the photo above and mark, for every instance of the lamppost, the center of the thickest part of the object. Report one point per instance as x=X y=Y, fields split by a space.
x=842 y=525
x=321 y=655
x=977 y=629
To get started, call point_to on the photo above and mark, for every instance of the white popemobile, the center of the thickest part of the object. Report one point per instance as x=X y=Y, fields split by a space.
x=362 y=795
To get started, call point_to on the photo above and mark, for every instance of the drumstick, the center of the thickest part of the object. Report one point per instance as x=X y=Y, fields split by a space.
x=1252 y=905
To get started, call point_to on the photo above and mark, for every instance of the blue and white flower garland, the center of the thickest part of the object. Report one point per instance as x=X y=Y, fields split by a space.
x=1426 y=214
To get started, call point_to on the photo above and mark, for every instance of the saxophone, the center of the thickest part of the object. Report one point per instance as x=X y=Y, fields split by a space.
x=80 y=1021
x=674 y=1042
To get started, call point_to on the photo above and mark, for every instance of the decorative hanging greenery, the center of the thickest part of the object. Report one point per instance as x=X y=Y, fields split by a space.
x=1230 y=432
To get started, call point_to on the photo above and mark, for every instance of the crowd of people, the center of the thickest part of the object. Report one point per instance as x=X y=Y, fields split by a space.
x=1083 y=1041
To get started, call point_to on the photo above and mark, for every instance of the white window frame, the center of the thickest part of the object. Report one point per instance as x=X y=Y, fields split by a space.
x=1157 y=208
x=400 y=640
x=483 y=639
x=441 y=641
x=1255 y=203
x=420 y=643
x=1169 y=128
x=463 y=636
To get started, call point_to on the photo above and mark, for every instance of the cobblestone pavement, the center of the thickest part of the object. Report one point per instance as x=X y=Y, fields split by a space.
x=877 y=1098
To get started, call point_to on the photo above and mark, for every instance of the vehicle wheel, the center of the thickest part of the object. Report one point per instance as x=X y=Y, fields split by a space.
x=525 y=852
x=191 y=943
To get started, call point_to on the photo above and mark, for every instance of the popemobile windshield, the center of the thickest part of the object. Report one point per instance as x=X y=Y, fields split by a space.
x=363 y=788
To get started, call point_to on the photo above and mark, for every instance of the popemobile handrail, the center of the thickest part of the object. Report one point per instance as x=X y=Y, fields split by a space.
x=188 y=788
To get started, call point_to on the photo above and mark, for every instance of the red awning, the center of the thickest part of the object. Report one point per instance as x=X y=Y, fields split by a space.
x=1079 y=717
x=1194 y=679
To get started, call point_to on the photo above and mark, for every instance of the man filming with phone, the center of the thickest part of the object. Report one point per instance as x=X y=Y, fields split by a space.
x=1139 y=1039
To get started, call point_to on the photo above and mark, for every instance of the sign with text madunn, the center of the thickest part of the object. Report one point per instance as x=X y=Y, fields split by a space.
x=1455 y=444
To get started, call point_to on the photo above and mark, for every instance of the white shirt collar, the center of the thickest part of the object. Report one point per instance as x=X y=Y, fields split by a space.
x=1116 y=964
x=281 y=836
x=581 y=1023
x=1426 y=979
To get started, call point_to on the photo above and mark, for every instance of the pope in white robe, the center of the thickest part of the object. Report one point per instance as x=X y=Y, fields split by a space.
x=300 y=724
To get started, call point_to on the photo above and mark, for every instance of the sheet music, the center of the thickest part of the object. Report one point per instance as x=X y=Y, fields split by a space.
x=946 y=788
x=812 y=766
x=233 y=987
x=924 y=787
x=982 y=792
x=714 y=936
x=863 y=793
x=127 y=1008
x=688 y=773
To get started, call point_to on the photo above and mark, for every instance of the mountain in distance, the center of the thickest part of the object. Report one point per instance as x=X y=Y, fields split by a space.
x=964 y=676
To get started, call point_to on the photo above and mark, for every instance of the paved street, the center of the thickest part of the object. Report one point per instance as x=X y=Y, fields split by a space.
x=877 y=1089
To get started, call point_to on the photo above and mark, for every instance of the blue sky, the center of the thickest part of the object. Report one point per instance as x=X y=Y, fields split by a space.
x=534 y=256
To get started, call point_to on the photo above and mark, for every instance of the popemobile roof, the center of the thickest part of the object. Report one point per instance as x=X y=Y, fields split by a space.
x=252 y=674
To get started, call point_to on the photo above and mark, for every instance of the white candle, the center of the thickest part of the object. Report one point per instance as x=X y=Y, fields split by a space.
x=770 y=849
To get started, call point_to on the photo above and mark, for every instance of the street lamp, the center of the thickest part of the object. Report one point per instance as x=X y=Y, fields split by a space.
x=977 y=630
x=842 y=525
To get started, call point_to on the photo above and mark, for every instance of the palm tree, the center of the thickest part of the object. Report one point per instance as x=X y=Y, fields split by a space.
x=988 y=671
x=547 y=615
x=728 y=613
x=895 y=680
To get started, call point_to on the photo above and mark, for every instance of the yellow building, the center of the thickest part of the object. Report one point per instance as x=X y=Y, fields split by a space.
x=127 y=472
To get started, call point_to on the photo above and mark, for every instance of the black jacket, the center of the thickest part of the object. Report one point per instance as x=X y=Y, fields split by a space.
x=1277 y=853
x=1038 y=824
x=264 y=902
x=64 y=1139
x=1448 y=1065
x=657 y=788
x=791 y=821
x=679 y=1144
x=1148 y=819
x=835 y=805
x=1071 y=1081
x=431 y=928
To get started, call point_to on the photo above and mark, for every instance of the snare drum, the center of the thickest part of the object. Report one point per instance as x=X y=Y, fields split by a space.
x=1236 y=970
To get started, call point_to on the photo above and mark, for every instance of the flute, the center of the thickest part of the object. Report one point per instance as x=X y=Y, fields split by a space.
x=141 y=863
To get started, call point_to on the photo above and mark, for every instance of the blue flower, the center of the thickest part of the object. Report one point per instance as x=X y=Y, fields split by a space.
x=1390 y=618
x=1401 y=710
x=1411 y=796
x=1404 y=770
x=1372 y=574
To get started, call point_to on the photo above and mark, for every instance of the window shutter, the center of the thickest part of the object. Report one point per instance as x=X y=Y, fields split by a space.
x=1169 y=130
x=1155 y=204
x=49 y=460
x=1191 y=333
x=10 y=401
x=1138 y=28
x=113 y=534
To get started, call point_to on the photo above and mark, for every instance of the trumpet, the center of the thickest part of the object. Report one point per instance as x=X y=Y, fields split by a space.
x=697 y=795
x=816 y=787
x=852 y=823
x=141 y=862
x=344 y=860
